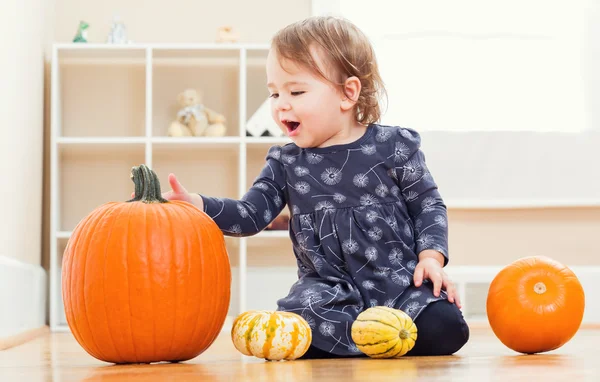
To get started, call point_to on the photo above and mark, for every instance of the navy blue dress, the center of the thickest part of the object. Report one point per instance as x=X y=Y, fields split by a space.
x=360 y=213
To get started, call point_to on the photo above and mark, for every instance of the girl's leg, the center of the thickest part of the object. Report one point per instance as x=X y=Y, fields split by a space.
x=316 y=353
x=442 y=330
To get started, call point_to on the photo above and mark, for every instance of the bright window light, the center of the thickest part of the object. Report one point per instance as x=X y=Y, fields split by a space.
x=473 y=65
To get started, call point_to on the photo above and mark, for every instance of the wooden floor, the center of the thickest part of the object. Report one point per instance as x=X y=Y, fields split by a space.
x=58 y=357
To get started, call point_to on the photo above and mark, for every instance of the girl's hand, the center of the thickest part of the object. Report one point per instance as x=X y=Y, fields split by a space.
x=178 y=192
x=430 y=268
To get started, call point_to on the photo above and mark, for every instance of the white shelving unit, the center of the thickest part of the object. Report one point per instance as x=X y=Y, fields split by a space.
x=105 y=101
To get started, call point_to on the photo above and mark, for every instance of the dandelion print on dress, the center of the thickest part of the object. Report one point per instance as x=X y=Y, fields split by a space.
x=360 y=213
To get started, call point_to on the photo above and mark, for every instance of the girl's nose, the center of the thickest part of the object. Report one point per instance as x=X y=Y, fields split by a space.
x=282 y=104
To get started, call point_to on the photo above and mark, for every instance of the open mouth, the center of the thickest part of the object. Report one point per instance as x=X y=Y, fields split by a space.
x=291 y=125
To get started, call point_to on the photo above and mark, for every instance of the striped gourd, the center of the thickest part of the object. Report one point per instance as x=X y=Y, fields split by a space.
x=382 y=332
x=272 y=335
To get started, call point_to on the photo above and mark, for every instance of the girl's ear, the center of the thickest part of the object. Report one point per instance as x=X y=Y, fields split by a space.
x=352 y=88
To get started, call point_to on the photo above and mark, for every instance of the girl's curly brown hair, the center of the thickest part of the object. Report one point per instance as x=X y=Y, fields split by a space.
x=348 y=52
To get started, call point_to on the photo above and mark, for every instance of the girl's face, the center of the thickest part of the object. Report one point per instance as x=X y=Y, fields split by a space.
x=306 y=107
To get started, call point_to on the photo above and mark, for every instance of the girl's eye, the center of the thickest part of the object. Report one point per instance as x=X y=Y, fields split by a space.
x=274 y=95
x=297 y=93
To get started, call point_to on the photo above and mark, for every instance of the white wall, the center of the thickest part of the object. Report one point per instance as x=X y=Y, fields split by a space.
x=591 y=63
x=469 y=65
x=178 y=20
x=505 y=94
x=23 y=32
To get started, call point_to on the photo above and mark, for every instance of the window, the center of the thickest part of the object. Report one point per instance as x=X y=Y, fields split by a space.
x=469 y=65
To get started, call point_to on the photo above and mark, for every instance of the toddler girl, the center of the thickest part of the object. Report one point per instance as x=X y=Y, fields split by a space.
x=368 y=225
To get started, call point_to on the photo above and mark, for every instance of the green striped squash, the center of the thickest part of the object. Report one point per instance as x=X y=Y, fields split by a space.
x=382 y=332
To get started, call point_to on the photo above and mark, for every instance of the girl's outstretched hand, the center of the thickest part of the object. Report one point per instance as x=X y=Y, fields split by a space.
x=178 y=192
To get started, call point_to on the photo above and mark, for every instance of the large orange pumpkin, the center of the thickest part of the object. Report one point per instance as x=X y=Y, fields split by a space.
x=146 y=280
x=535 y=304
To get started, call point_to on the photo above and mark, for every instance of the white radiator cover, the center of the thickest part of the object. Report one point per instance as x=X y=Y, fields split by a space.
x=23 y=296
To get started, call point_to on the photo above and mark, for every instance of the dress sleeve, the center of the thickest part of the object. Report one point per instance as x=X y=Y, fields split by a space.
x=258 y=207
x=425 y=204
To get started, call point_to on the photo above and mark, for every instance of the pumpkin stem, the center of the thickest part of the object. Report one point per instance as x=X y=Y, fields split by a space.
x=404 y=334
x=147 y=186
x=539 y=287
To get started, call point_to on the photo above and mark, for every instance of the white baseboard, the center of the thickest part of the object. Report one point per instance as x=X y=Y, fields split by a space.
x=23 y=296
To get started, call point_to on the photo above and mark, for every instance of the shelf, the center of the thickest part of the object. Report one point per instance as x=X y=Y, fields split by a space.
x=210 y=170
x=218 y=85
x=268 y=141
x=94 y=54
x=56 y=271
x=99 y=141
x=164 y=54
x=176 y=143
x=255 y=161
x=257 y=92
x=99 y=148
x=274 y=234
x=209 y=55
x=227 y=325
x=90 y=178
x=111 y=109
x=62 y=328
x=166 y=140
x=158 y=46
x=64 y=234
x=208 y=50
x=88 y=91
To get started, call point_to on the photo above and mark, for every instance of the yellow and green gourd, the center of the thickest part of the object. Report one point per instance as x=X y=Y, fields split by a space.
x=382 y=332
x=272 y=335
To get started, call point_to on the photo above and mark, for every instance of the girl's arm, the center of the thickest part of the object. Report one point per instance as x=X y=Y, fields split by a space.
x=257 y=208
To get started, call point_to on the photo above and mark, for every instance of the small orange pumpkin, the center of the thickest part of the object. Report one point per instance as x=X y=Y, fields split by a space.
x=535 y=304
x=146 y=280
x=272 y=335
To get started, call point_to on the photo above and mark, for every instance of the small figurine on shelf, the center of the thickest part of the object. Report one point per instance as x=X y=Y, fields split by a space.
x=118 y=32
x=194 y=119
x=226 y=34
x=261 y=123
x=81 y=35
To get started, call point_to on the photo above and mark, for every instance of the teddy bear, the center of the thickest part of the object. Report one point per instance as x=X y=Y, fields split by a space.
x=194 y=119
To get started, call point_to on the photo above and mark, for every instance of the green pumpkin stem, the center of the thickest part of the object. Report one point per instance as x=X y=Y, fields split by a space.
x=147 y=186
x=404 y=334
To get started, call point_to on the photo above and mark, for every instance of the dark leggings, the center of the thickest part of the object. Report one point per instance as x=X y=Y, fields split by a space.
x=441 y=327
